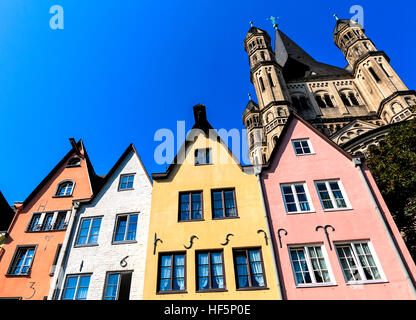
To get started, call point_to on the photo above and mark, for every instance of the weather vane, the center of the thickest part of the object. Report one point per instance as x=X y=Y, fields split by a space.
x=273 y=20
x=249 y=96
x=251 y=23
x=336 y=16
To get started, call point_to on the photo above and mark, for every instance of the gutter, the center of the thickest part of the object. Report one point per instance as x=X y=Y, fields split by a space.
x=357 y=162
x=257 y=172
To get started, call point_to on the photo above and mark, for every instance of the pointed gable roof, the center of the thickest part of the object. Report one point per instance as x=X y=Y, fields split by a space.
x=94 y=179
x=107 y=177
x=6 y=213
x=290 y=119
x=201 y=123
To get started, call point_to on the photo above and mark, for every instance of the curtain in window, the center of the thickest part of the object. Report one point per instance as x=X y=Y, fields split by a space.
x=256 y=267
x=217 y=271
x=196 y=206
x=131 y=233
x=179 y=276
x=165 y=273
x=84 y=283
x=203 y=271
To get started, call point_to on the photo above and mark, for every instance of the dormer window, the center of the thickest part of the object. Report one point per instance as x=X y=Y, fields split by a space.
x=202 y=156
x=74 y=162
x=65 y=189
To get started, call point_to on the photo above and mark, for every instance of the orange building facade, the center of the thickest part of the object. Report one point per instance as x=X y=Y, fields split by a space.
x=35 y=236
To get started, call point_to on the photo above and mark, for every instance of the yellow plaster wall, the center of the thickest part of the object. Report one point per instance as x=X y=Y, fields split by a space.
x=211 y=233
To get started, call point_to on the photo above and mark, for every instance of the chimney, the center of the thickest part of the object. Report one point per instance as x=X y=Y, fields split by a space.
x=200 y=114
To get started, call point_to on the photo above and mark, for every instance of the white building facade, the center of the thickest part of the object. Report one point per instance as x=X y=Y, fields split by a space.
x=104 y=253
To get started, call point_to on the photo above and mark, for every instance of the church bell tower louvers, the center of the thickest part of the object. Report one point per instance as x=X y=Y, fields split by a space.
x=354 y=106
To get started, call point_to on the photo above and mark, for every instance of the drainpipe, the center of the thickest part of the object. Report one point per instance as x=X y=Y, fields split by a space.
x=357 y=163
x=257 y=172
x=67 y=248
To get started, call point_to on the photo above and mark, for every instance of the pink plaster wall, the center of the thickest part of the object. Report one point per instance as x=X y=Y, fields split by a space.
x=359 y=223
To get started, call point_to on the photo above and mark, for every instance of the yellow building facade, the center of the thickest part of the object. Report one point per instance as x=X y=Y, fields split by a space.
x=207 y=233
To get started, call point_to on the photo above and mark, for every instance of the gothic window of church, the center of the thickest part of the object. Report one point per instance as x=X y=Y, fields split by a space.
x=251 y=139
x=320 y=102
x=374 y=74
x=385 y=114
x=269 y=117
x=396 y=107
x=328 y=101
x=281 y=112
x=353 y=99
x=262 y=55
x=275 y=138
x=270 y=80
x=345 y=100
x=264 y=158
x=261 y=83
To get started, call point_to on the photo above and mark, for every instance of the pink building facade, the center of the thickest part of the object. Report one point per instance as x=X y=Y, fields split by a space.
x=333 y=235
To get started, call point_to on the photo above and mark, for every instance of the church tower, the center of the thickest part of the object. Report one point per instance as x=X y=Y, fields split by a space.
x=382 y=88
x=264 y=121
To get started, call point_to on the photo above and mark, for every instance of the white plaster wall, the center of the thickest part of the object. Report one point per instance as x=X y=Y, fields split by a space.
x=105 y=257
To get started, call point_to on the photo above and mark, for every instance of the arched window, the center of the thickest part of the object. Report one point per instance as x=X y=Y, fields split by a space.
x=345 y=100
x=65 y=189
x=74 y=162
x=261 y=84
x=328 y=101
x=270 y=80
x=304 y=102
x=275 y=139
x=296 y=103
x=374 y=74
x=353 y=99
x=321 y=103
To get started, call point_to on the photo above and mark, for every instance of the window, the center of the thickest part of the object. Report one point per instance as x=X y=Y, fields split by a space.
x=210 y=270
x=190 y=206
x=126 y=226
x=374 y=74
x=223 y=204
x=302 y=147
x=328 y=101
x=34 y=223
x=76 y=287
x=126 y=182
x=309 y=265
x=88 y=231
x=358 y=262
x=269 y=77
x=249 y=269
x=47 y=222
x=353 y=99
x=321 y=103
x=171 y=272
x=304 y=102
x=345 y=100
x=74 y=162
x=202 y=156
x=331 y=195
x=22 y=261
x=60 y=221
x=261 y=84
x=64 y=189
x=117 y=286
x=296 y=198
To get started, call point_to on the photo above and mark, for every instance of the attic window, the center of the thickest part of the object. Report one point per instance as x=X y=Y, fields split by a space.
x=202 y=156
x=64 y=189
x=74 y=162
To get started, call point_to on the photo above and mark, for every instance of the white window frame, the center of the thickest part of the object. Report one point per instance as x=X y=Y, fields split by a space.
x=308 y=197
x=331 y=195
x=308 y=141
x=358 y=263
x=305 y=247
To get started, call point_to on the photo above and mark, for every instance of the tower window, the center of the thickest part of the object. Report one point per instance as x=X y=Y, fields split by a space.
x=303 y=102
x=296 y=102
x=345 y=100
x=262 y=55
x=320 y=102
x=270 y=80
x=328 y=101
x=353 y=99
x=374 y=74
x=261 y=84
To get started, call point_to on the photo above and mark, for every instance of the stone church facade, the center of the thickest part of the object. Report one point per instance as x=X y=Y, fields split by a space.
x=353 y=106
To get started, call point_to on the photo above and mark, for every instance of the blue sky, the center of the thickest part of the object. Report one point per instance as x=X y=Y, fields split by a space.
x=120 y=70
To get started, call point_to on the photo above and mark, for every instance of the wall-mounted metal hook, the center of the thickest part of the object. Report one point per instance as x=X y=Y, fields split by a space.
x=265 y=236
x=123 y=262
x=325 y=228
x=280 y=237
x=191 y=242
x=227 y=239
x=155 y=243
